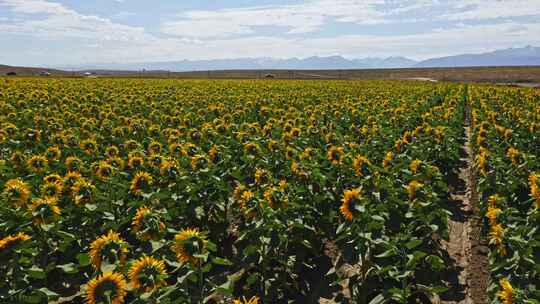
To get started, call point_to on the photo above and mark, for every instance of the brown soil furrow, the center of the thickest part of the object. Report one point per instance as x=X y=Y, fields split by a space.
x=467 y=277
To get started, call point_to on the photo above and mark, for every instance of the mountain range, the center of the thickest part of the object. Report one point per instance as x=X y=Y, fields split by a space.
x=525 y=56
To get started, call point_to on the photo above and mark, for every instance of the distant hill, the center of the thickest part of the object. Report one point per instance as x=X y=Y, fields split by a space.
x=526 y=56
x=310 y=63
x=27 y=71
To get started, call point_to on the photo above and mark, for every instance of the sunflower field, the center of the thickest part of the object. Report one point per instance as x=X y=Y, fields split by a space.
x=198 y=191
x=507 y=141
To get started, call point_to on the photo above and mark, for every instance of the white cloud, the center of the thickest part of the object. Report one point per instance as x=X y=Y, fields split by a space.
x=484 y=9
x=298 y=18
x=65 y=36
x=60 y=22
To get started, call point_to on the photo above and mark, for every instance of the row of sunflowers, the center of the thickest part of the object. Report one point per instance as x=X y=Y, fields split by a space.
x=506 y=123
x=168 y=191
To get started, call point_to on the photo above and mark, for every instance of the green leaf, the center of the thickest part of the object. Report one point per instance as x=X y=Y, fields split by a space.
x=221 y=261
x=435 y=262
x=36 y=273
x=51 y=295
x=68 y=268
x=83 y=258
x=413 y=244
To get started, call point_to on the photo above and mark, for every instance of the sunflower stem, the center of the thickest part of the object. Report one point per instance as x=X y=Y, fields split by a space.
x=201 y=286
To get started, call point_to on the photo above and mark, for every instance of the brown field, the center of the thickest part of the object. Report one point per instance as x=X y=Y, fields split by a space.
x=507 y=75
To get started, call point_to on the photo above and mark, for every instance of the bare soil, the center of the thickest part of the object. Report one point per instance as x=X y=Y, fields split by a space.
x=468 y=277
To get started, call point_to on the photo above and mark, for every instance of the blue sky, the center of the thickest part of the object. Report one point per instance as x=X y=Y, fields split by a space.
x=61 y=32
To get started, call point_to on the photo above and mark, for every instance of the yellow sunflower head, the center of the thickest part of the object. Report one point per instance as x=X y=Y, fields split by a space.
x=117 y=162
x=82 y=191
x=52 y=189
x=112 y=151
x=188 y=243
x=37 y=164
x=350 y=198
x=73 y=164
x=16 y=191
x=198 y=162
x=135 y=162
x=104 y=171
x=109 y=247
x=387 y=159
x=147 y=224
x=147 y=273
x=140 y=183
x=52 y=178
x=12 y=240
x=506 y=293
x=44 y=210
x=261 y=176
x=335 y=155
x=89 y=146
x=361 y=165
x=53 y=153
x=244 y=300
x=169 y=169
x=154 y=147
x=110 y=287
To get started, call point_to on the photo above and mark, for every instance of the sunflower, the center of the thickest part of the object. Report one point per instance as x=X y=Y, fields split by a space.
x=198 y=161
x=245 y=198
x=252 y=300
x=11 y=239
x=69 y=180
x=481 y=160
x=82 y=191
x=154 y=147
x=112 y=151
x=73 y=163
x=214 y=154
x=387 y=159
x=89 y=146
x=135 y=162
x=412 y=189
x=535 y=191
x=52 y=178
x=110 y=287
x=17 y=159
x=513 y=154
x=273 y=197
x=169 y=168
x=335 y=155
x=187 y=243
x=506 y=295
x=492 y=214
x=147 y=273
x=52 y=189
x=16 y=191
x=116 y=162
x=147 y=224
x=44 y=211
x=261 y=176
x=104 y=171
x=37 y=164
x=110 y=247
x=140 y=183
x=496 y=237
x=360 y=164
x=415 y=164
x=350 y=197
x=155 y=161
x=53 y=153
x=251 y=149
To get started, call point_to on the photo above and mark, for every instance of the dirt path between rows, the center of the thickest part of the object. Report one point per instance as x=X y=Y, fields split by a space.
x=468 y=277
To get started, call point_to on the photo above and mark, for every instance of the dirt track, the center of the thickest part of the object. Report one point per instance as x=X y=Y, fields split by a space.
x=468 y=277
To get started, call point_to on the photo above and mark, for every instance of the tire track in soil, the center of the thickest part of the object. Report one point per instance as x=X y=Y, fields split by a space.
x=468 y=277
